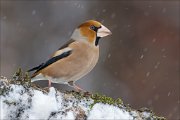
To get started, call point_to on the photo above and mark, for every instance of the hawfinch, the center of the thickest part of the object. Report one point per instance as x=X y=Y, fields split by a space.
x=74 y=59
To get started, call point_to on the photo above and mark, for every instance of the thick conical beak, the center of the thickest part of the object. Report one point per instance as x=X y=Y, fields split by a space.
x=103 y=31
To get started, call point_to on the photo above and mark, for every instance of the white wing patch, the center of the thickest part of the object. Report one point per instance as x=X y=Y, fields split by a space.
x=59 y=52
x=38 y=77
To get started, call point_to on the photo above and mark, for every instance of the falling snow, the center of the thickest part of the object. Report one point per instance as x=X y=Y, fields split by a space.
x=145 y=49
x=33 y=12
x=164 y=56
x=113 y=15
x=154 y=40
x=147 y=74
x=109 y=55
x=162 y=50
x=142 y=56
x=104 y=10
x=146 y=13
x=4 y=17
x=163 y=10
x=169 y=93
x=150 y=6
x=41 y=24
x=78 y=6
x=157 y=65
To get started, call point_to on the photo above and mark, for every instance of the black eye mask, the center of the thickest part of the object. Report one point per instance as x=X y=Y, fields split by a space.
x=92 y=27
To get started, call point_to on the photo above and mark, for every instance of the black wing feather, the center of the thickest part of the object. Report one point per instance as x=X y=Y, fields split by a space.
x=50 y=61
x=35 y=68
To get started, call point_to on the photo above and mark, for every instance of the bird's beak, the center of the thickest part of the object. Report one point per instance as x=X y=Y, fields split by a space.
x=103 y=31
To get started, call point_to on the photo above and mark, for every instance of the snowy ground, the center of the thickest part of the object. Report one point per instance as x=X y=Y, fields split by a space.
x=25 y=102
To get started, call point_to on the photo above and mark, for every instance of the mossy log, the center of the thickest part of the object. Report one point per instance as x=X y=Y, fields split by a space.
x=20 y=99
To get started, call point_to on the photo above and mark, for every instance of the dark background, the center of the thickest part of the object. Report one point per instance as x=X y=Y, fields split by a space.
x=139 y=62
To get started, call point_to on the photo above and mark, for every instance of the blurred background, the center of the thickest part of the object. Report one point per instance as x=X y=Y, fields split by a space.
x=139 y=62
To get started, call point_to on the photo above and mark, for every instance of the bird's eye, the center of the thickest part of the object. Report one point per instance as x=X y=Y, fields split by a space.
x=92 y=27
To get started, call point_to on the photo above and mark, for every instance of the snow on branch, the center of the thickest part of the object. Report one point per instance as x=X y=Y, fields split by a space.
x=20 y=99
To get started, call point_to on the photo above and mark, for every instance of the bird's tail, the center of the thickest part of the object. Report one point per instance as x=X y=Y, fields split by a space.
x=35 y=76
x=35 y=68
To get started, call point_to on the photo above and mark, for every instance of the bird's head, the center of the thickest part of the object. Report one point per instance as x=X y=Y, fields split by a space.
x=90 y=31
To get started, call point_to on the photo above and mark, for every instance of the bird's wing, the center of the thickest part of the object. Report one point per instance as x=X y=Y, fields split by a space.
x=51 y=60
x=62 y=52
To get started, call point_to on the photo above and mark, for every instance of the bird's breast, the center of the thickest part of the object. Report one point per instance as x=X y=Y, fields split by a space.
x=84 y=59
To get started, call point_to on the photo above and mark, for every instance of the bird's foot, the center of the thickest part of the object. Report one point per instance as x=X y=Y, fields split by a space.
x=77 y=88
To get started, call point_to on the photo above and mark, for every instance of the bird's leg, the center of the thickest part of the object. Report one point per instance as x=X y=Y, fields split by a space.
x=49 y=83
x=77 y=88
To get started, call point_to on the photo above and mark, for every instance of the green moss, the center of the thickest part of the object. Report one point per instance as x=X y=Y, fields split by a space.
x=152 y=114
x=78 y=95
x=20 y=77
x=157 y=117
x=106 y=100
x=27 y=78
x=97 y=98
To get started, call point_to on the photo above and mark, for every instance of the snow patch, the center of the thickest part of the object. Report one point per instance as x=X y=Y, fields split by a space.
x=105 y=111
x=43 y=105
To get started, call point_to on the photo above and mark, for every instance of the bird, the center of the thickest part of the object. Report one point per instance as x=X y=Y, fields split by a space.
x=74 y=59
